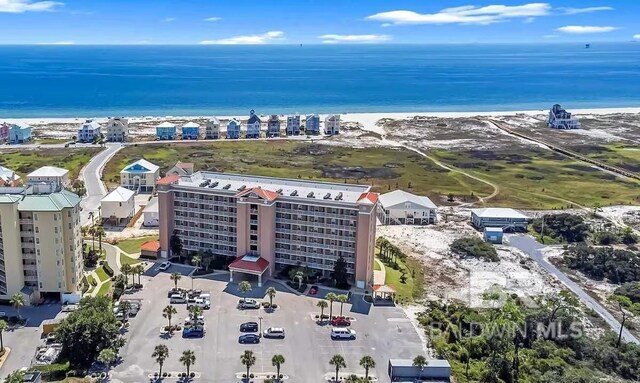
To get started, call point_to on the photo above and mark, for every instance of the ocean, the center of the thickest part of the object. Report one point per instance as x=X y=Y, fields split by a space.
x=100 y=81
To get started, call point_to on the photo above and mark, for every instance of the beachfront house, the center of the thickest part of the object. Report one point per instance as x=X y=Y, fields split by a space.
x=402 y=208
x=49 y=175
x=181 y=169
x=253 y=125
x=212 y=129
x=312 y=125
x=118 y=207
x=332 y=124
x=4 y=133
x=140 y=176
x=561 y=119
x=151 y=213
x=8 y=178
x=19 y=133
x=117 y=129
x=190 y=131
x=273 y=126
x=89 y=131
x=233 y=128
x=166 y=131
x=293 y=125
x=507 y=219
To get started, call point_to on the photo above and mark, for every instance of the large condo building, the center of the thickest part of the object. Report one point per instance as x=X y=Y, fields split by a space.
x=40 y=242
x=268 y=224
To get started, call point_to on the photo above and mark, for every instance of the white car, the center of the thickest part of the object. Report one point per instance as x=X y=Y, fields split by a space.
x=200 y=302
x=164 y=266
x=342 y=333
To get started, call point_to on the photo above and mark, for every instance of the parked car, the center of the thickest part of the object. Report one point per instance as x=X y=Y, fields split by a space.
x=313 y=290
x=249 y=338
x=164 y=266
x=249 y=327
x=199 y=302
x=198 y=322
x=177 y=298
x=193 y=332
x=274 y=332
x=175 y=291
x=340 y=321
x=249 y=304
x=342 y=333
x=194 y=293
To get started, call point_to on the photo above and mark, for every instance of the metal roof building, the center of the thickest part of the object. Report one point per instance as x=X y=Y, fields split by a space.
x=402 y=208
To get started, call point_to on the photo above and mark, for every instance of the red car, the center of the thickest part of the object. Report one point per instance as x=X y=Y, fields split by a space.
x=341 y=321
x=313 y=290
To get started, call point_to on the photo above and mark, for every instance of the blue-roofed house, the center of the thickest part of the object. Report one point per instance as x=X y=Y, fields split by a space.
x=233 y=129
x=273 y=126
x=293 y=125
x=19 y=133
x=190 y=131
x=89 y=131
x=140 y=176
x=166 y=131
x=253 y=125
x=312 y=125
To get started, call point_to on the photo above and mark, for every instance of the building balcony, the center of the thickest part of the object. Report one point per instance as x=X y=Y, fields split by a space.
x=28 y=245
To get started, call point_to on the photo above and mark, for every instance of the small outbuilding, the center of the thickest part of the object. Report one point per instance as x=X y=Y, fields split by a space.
x=118 y=206
x=508 y=220
x=151 y=213
x=493 y=235
x=150 y=250
x=402 y=208
x=403 y=370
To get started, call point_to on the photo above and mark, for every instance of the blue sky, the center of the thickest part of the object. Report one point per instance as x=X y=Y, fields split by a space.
x=315 y=21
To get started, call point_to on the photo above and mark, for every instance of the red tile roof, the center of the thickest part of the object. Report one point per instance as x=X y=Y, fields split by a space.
x=259 y=266
x=368 y=197
x=150 y=246
x=262 y=193
x=168 y=180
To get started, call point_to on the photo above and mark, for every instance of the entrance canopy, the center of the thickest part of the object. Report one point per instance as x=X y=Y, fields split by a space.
x=249 y=264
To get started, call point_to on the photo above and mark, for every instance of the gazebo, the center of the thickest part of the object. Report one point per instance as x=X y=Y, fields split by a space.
x=249 y=264
x=384 y=292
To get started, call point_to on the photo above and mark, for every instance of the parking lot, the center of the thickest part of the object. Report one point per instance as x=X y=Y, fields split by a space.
x=382 y=332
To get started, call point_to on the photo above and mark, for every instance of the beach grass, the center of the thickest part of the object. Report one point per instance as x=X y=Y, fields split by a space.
x=25 y=161
x=541 y=179
x=132 y=246
x=623 y=156
x=385 y=169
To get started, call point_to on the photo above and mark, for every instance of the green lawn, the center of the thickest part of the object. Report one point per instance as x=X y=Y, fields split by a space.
x=26 y=161
x=384 y=168
x=102 y=275
x=91 y=280
x=376 y=266
x=539 y=179
x=413 y=287
x=126 y=260
x=104 y=289
x=132 y=246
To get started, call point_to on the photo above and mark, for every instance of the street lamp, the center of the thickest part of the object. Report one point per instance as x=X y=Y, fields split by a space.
x=260 y=326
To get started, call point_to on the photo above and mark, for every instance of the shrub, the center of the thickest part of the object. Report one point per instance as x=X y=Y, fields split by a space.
x=107 y=269
x=569 y=227
x=606 y=238
x=474 y=247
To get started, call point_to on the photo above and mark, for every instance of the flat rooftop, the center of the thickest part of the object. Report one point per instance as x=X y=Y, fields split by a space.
x=286 y=187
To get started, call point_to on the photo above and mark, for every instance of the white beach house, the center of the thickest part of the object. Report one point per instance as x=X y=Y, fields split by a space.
x=118 y=206
x=561 y=119
x=117 y=129
x=402 y=208
x=151 y=213
x=293 y=125
x=89 y=131
x=140 y=176
x=212 y=129
x=49 y=175
x=253 y=125
x=332 y=124
x=8 y=178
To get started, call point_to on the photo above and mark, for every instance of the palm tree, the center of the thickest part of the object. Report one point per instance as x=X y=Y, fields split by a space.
x=248 y=360
x=197 y=261
x=17 y=301
x=100 y=233
x=139 y=270
x=331 y=297
x=299 y=276
x=161 y=353
x=245 y=288
x=3 y=328
x=342 y=298
x=15 y=377
x=420 y=362
x=353 y=379
x=168 y=313
x=126 y=270
x=323 y=305
x=195 y=312
x=107 y=356
x=367 y=363
x=188 y=358
x=271 y=292
x=277 y=361
x=175 y=277
x=338 y=362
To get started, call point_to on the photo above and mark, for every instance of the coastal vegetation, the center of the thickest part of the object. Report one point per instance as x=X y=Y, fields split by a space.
x=604 y=262
x=561 y=227
x=474 y=247
x=402 y=272
x=25 y=161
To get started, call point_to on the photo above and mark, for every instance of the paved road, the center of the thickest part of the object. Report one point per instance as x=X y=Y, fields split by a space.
x=530 y=246
x=92 y=174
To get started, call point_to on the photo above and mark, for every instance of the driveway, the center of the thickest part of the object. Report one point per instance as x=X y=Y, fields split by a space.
x=92 y=174
x=531 y=247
